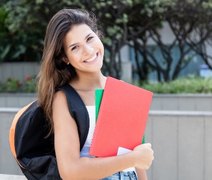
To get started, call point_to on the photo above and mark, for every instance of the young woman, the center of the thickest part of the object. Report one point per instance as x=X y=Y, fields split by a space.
x=73 y=54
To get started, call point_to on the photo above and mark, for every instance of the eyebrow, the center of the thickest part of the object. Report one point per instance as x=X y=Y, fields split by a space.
x=77 y=43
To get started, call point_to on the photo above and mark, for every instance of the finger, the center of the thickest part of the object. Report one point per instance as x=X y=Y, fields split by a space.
x=148 y=145
x=146 y=167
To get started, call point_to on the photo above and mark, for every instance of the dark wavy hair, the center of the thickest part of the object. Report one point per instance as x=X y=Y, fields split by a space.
x=54 y=72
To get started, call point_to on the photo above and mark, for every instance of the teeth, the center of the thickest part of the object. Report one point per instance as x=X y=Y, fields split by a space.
x=91 y=59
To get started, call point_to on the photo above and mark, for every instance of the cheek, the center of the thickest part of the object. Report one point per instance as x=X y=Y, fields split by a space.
x=100 y=45
x=73 y=58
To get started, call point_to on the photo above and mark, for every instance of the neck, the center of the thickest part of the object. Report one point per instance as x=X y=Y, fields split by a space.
x=89 y=82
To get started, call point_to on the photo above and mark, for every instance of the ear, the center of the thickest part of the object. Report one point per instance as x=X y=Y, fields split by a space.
x=65 y=60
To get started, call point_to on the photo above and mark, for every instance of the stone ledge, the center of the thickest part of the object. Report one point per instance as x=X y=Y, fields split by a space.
x=181 y=113
x=12 y=177
x=152 y=112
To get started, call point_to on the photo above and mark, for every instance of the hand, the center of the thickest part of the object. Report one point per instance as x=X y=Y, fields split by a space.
x=144 y=156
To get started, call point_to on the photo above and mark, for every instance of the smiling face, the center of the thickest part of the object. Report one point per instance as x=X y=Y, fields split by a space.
x=84 y=50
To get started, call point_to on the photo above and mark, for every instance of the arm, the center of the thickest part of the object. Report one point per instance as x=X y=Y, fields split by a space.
x=67 y=148
x=141 y=174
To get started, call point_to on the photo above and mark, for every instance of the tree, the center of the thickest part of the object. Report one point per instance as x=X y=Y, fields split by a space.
x=3 y=34
x=26 y=22
x=131 y=22
x=185 y=19
x=203 y=32
x=147 y=15
x=114 y=20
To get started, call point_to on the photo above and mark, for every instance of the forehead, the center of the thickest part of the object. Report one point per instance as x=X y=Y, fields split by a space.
x=77 y=33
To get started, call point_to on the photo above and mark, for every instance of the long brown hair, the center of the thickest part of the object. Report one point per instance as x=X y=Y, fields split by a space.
x=54 y=72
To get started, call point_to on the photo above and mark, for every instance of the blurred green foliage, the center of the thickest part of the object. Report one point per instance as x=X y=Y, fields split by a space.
x=13 y=85
x=191 y=85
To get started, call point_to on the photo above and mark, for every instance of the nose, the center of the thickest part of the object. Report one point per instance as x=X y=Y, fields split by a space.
x=88 y=49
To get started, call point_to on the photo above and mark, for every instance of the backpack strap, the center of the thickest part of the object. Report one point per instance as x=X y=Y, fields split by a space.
x=78 y=111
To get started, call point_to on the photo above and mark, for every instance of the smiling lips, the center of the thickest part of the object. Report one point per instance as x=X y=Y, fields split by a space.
x=90 y=60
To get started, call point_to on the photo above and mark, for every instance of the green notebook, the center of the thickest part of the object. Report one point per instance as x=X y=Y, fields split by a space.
x=98 y=100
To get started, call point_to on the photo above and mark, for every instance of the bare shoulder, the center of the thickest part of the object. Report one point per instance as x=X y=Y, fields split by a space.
x=60 y=106
x=62 y=119
x=59 y=99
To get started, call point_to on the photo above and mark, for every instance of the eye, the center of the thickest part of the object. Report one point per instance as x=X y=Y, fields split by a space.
x=90 y=38
x=74 y=48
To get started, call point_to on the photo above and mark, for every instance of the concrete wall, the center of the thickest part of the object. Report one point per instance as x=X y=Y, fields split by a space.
x=182 y=145
x=16 y=99
x=182 y=102
x=18 y=70
x=165 y=102
x=7 y=162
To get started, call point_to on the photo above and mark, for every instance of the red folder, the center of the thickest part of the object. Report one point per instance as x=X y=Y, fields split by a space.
x=122 y=118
